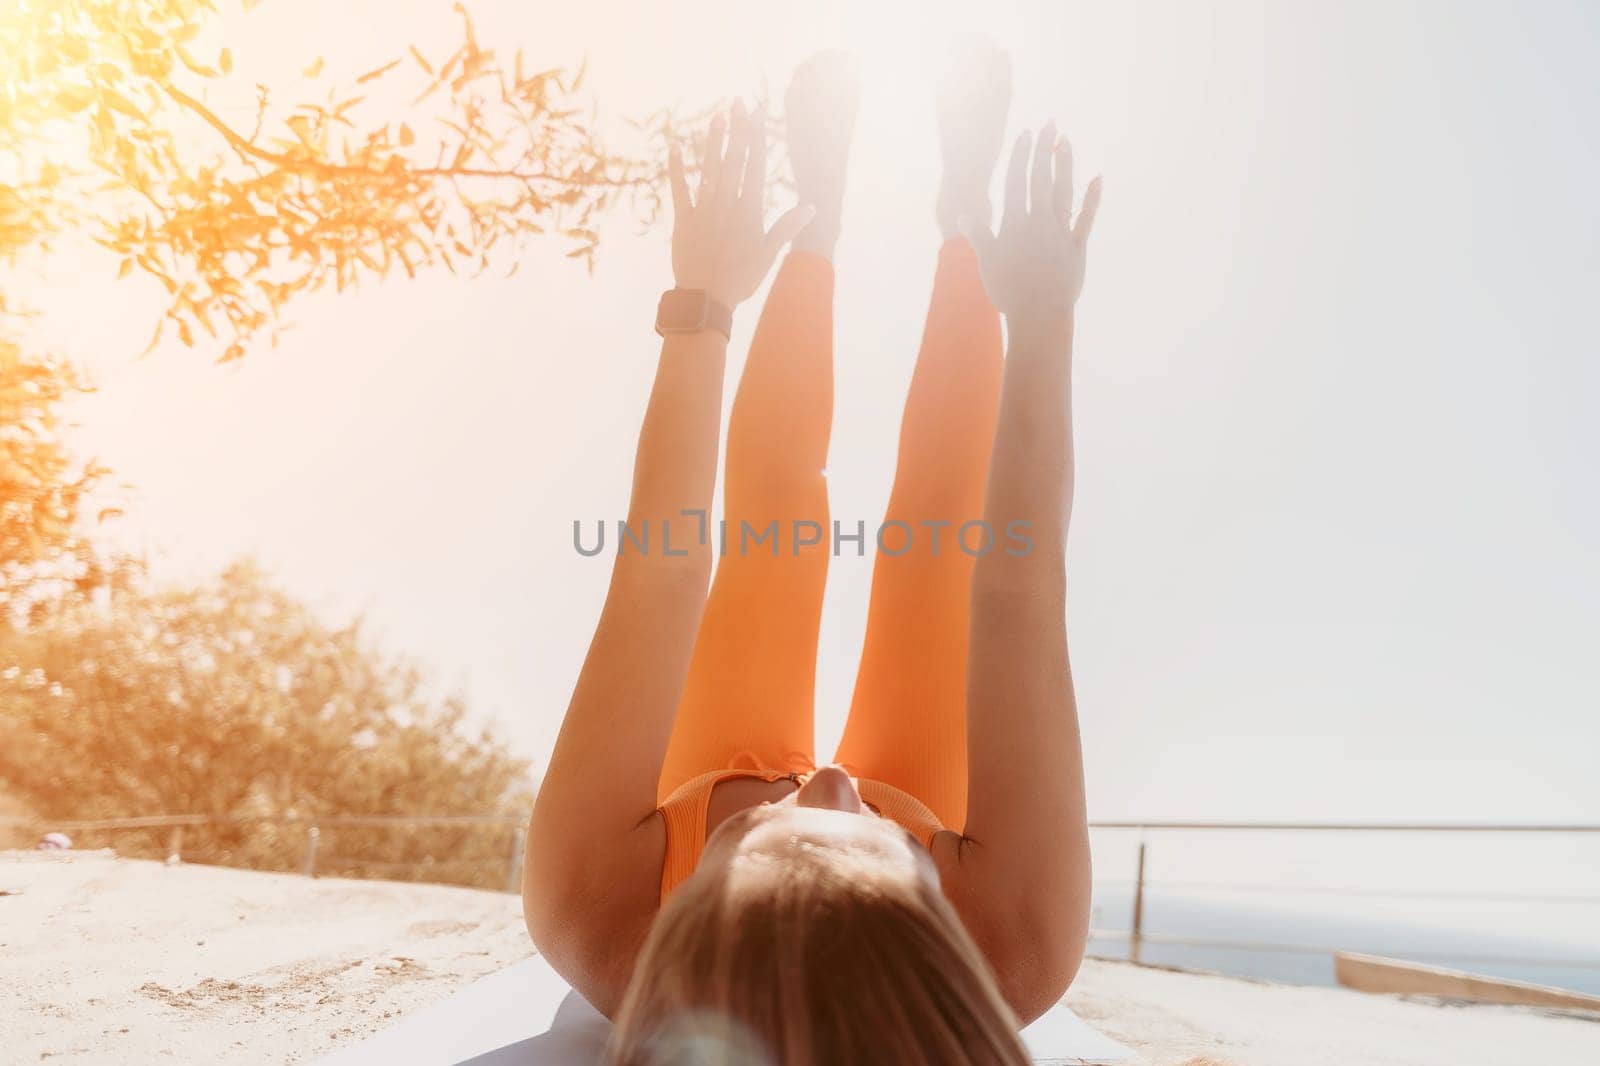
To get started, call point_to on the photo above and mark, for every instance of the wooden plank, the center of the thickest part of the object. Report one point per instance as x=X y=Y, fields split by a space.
x=1370 y=973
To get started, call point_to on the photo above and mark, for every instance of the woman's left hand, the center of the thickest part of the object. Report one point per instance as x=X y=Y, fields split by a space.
x=719 y=243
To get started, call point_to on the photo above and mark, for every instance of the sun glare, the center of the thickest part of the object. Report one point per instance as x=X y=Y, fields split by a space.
x=903 y=46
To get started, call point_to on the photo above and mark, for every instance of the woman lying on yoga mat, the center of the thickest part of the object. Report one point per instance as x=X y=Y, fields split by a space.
x=918 y=898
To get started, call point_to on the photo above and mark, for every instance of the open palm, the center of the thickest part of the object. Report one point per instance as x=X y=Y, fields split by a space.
x=719 y=242
x=1035 y=264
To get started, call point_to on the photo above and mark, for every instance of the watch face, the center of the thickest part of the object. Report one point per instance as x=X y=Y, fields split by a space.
x=681 y=310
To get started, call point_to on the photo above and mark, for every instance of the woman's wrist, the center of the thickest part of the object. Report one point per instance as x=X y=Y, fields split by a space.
x=715 y=292
x=705 y=343
x=1051 y=325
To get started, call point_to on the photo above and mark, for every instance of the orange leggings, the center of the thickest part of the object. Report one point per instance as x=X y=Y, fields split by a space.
x=749 y=695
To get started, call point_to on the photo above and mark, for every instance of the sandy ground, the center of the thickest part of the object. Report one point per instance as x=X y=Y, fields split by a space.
x=122 y=961
x=1174 y=1017
x=118 y=960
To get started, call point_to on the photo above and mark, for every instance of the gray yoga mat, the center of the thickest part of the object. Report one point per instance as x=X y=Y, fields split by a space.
x=526 y=1015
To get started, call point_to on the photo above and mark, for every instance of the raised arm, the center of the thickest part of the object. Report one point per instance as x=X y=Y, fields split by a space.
x=594 y=852
x=1022 y=878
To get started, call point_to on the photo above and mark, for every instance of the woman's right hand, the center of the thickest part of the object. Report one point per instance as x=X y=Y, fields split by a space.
x=1034 y=267
x=719 y=243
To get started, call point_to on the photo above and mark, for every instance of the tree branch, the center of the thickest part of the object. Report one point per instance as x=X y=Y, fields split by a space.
x=246 y=147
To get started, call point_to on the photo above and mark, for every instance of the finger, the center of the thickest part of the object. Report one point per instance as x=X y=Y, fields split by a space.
x=681 y=202
x=786 y=229
x=733 y=162
x=711 y=157
x=1063 y=195
x=1091 y=205
x=754 y=191
x=1043 y=192
x=1017 y=180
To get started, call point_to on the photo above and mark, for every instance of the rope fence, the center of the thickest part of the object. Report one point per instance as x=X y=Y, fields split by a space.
x=314 y=856
x=1136 y=937
x=1323 y=949
x=315 y=860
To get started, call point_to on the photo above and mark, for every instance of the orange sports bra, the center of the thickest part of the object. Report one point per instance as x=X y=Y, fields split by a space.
x=684 y=812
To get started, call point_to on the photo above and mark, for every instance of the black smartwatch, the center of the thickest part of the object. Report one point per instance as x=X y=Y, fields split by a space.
x=690 y=311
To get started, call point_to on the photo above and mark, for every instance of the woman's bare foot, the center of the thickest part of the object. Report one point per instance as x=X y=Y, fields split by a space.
x=820 y=115
x=974 y=96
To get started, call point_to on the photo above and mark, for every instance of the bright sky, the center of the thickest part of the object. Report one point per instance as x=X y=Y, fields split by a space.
x=1334 y=552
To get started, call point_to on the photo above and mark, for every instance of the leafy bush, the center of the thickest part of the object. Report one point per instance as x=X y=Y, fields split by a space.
x=232 y=699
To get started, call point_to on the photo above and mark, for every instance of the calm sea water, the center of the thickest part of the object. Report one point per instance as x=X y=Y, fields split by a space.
x=1479 y=939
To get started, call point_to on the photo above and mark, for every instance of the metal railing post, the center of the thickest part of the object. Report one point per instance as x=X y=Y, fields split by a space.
x=175 y=844
x=514 y=873
x=1136 y=937
x=312 y=833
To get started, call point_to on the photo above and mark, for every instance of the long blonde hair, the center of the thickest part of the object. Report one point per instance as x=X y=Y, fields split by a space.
x=817 y=959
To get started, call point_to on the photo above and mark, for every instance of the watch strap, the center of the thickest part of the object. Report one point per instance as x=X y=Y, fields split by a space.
x=719 y=316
